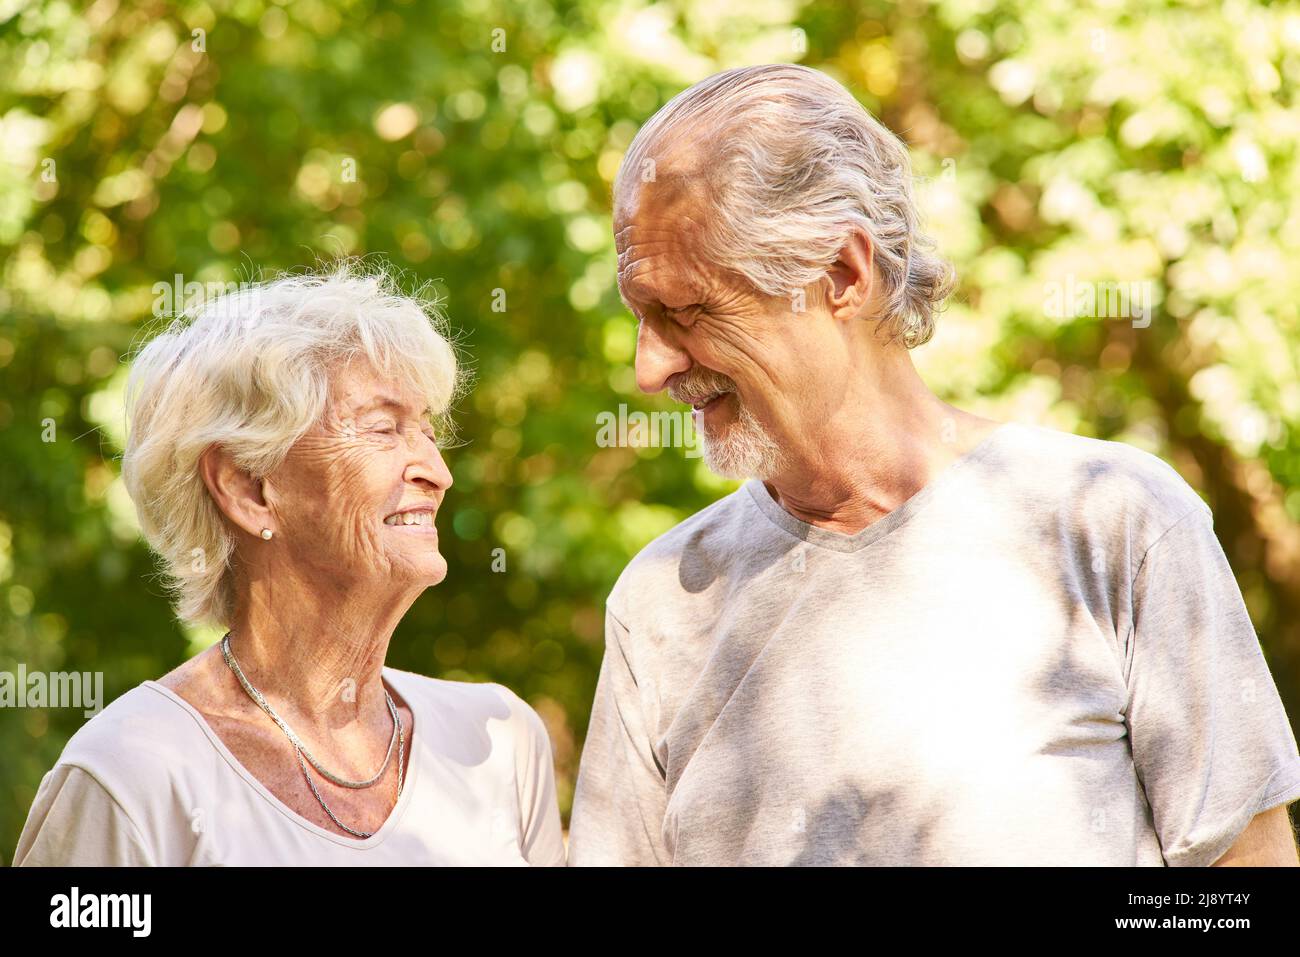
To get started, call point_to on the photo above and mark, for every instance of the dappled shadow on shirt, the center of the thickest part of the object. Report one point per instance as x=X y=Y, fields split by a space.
x=1070 y=531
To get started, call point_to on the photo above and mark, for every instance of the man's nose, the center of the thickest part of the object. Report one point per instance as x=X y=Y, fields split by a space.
x=658 y=358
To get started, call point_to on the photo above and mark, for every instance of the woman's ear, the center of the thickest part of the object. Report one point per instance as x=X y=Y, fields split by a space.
x=237 y=493
x=852 y=276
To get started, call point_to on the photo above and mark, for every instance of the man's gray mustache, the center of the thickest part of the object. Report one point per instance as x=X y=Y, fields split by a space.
x=695 y=390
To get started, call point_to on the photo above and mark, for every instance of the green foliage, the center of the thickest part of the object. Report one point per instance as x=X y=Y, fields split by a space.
x=216 y=140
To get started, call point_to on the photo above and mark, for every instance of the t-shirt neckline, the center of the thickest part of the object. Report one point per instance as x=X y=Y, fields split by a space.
x=842 y=542
x=394 y=816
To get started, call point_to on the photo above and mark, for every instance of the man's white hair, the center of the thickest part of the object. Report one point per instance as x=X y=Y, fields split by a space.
x=250 y=371
x=791 y=162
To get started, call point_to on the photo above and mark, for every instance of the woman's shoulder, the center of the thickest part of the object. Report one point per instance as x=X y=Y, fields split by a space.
x=144 y=713
x=145 y=728
x=107 y=798
x=480 y=700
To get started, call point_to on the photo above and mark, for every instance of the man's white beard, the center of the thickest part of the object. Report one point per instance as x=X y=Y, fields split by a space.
x=744 y=450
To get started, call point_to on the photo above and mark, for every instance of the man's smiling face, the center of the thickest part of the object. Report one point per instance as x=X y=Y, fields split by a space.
x=741 y=359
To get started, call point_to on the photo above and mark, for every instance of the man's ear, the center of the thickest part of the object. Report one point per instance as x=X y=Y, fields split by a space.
x=852 y=276
x=237 y=493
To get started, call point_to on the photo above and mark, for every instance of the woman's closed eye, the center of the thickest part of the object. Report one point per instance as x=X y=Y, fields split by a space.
x=391 y=427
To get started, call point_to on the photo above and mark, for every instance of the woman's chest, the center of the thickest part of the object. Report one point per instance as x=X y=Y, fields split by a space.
x=448 y=814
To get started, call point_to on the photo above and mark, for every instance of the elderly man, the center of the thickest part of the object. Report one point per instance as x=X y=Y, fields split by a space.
x=914 y=635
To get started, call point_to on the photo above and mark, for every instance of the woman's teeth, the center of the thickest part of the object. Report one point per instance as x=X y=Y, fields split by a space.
x=410 y=518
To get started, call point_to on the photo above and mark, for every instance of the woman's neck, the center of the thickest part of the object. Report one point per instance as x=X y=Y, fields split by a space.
x=320 y=657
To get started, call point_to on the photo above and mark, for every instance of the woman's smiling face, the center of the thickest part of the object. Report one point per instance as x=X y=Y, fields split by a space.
x=356 y=497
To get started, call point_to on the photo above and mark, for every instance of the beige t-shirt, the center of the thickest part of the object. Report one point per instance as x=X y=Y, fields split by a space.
x=148 y=782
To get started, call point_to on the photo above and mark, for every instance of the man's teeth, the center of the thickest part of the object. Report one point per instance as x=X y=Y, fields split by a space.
x=410 y=518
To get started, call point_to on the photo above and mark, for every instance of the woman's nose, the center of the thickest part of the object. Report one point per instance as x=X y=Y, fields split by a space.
x=429 y=467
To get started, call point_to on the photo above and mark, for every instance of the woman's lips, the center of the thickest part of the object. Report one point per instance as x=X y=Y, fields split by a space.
x=413 y=520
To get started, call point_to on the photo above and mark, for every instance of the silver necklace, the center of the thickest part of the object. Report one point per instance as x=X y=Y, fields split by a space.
x=297 y=742
x=399 y=738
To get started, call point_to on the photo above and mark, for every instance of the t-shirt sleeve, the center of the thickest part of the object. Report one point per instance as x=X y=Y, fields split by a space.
x=541 y=835
x=621 y=796
x=1211 y=741
x=76 y=822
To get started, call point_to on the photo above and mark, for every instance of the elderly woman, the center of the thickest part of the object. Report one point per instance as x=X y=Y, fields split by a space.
x=283 y=460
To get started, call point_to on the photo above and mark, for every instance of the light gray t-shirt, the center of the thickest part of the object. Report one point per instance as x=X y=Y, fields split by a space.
x=1041 y=658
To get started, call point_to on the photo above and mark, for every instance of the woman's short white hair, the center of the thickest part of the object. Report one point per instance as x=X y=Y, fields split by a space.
x=791 y=163
x=250 y=371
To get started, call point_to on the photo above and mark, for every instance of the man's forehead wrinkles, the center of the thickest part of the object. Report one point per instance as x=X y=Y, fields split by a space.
x=633 y=236
x=647 y=241
x=633 y=257
x=658 y=284
x=655 y=262
x=636 y=281
x=636 y=291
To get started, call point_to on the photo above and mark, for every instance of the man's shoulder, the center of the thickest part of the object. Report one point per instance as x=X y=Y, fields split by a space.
x=706 y=538
x=1098 y=480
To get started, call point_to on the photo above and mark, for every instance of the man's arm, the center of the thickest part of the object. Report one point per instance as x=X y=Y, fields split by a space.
x=1211 y=742
x=621 y=796
x=1267 y=841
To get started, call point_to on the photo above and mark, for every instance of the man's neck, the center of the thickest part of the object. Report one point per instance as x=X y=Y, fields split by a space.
x=856 y=468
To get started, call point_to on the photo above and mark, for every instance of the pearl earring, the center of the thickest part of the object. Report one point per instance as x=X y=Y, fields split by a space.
x=267 y=533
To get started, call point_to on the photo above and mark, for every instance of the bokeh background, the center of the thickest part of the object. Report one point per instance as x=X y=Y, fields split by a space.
x=473 y=143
